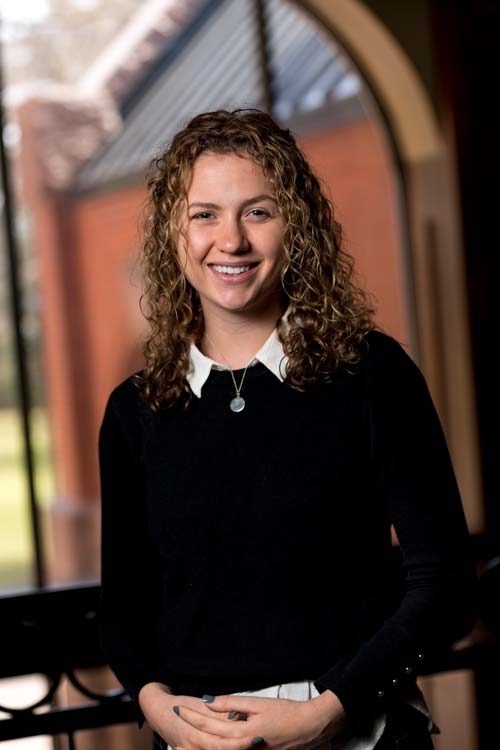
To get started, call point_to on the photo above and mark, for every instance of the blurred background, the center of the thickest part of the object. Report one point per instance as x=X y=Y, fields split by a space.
x=391 y=102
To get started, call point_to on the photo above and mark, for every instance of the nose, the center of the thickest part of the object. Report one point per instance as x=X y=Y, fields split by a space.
x=231 y=237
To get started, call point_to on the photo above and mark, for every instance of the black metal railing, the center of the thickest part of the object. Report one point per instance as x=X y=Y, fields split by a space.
x=54 y=632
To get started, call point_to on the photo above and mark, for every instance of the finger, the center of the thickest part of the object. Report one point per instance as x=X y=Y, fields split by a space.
x=196 y=703
x=242 y=703
x=205 y=741
x=211 y=724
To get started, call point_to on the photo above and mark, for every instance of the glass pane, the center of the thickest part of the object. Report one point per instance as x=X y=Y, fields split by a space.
x=17 y=557
x=15 y=539
x=121 y=82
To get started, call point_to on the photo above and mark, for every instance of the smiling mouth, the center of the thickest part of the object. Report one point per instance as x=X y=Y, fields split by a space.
x=232 y=270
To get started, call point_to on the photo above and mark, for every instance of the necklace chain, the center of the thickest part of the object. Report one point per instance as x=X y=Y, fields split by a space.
x=238 y=390
x=237 y=403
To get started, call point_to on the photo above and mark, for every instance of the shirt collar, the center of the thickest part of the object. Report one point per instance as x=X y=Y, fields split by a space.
x=271 y=355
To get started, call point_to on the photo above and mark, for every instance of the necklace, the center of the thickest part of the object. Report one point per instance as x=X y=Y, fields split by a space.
x=237 y=403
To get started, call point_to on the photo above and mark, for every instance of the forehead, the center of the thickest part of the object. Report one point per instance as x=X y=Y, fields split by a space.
x=226 y=175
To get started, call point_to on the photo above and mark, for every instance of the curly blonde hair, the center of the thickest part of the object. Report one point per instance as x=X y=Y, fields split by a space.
x=329 y=314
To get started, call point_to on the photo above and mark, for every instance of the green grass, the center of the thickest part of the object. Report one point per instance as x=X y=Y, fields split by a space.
x=15 y=530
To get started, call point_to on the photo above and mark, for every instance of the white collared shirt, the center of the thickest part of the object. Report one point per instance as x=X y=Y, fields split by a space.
x=270 y=354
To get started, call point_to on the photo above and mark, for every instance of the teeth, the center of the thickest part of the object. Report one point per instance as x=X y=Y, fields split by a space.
x=233 y=270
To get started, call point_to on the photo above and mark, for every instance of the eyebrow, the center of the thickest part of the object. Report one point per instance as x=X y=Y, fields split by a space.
x=247 y=202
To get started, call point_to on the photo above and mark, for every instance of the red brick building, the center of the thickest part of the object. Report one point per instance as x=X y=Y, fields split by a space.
x=84 y=160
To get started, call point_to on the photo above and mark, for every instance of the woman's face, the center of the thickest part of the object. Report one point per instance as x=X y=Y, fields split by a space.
x=232 y=250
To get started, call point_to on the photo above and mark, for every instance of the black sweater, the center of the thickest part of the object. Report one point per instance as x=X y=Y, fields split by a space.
x=245 y=550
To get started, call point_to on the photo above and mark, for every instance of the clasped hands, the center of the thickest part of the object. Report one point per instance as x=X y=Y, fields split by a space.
x=271 y=723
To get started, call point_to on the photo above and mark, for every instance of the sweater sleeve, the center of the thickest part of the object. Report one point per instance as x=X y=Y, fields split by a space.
x=128 y=568
x=415 y=480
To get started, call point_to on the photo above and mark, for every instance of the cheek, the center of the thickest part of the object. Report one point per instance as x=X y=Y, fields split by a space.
x=277 y=243
x=278 y=251
x=195 y=247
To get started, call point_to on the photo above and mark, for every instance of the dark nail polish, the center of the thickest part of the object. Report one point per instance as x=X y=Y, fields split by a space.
x=232 y=714
x=176 y=710
x=208 y=698
x=258 y=741
x=243 y=717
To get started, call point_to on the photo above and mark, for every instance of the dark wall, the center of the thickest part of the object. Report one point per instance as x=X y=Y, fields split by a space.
x=455 y=46
x=410 y=21
x=467 y=40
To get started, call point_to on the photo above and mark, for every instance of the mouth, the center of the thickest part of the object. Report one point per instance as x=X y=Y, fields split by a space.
x=233 y=272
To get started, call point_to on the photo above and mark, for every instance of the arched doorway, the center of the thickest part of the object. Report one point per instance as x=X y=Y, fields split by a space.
x=442 y=345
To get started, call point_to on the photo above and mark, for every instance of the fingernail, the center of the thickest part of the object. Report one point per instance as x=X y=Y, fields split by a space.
x=258 y=741
x=243 y=717
x=208 y=698
x=232 y=714
x=176 y=710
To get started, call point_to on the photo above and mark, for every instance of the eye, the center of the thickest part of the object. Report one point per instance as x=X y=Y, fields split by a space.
x=203 y=215
x=259 y=213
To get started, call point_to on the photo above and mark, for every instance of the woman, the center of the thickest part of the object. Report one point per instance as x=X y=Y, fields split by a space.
x=252 y=471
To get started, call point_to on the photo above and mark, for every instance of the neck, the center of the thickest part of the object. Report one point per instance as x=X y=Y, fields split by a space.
x=234 y=340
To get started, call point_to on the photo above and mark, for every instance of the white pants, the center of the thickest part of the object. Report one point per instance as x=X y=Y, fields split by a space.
x=305 y=690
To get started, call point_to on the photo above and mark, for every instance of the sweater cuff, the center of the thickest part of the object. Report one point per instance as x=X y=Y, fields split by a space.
x=366 y=683
x=361 y=705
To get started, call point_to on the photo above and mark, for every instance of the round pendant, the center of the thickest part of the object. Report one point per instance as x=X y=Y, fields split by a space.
x=237 y=404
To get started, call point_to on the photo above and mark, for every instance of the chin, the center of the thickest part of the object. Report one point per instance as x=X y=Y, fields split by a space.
x=237 y=305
